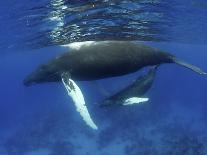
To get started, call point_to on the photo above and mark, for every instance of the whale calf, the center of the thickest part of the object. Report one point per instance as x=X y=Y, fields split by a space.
x=103 y=59
x=133 y=91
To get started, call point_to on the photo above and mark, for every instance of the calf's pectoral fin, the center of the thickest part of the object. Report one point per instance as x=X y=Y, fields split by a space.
x=135 y=100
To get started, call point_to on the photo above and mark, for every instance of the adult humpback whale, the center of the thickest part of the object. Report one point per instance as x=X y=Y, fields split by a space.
x=132 y=93
x=102 y=59
x=97 y=60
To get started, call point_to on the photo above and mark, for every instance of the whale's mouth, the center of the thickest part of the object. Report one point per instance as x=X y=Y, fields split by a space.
x=28 y=81
x=36 y=78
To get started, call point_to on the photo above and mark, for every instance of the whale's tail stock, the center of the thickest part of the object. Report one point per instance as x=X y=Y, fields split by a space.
x=189 y=66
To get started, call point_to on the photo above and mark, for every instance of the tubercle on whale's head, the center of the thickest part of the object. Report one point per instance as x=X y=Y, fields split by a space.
x=42 y=74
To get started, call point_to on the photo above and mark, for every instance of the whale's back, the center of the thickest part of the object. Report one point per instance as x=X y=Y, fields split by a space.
x=107 y=60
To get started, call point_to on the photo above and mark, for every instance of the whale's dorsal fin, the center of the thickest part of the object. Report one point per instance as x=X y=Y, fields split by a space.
x=75 y=93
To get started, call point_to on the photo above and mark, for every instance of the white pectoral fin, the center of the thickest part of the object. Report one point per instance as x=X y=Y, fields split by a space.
x=135 y=100
x=75 y=93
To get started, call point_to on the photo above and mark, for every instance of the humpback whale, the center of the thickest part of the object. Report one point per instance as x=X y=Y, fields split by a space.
x=103 y=59
x=93 y=60
x=133 y=91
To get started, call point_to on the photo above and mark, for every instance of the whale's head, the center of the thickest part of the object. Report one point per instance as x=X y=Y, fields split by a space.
x=44 y=73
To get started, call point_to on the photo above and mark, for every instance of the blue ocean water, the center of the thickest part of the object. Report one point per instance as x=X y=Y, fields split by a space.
x=42 y=120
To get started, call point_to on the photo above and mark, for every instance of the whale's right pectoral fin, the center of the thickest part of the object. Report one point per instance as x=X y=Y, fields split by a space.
x=135 y=100
x=75 y=93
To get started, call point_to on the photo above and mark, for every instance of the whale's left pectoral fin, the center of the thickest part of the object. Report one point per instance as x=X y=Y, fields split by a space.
x=135 y=100
x=75 y=93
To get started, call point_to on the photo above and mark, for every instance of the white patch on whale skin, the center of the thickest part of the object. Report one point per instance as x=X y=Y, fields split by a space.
x=135 y=100
x=75 y=93
x=78 y=45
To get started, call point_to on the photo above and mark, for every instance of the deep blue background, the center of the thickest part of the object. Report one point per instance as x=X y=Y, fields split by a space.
x=43 y=116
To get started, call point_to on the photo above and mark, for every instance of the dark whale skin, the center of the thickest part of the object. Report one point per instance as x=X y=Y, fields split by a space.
x=103 y=59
